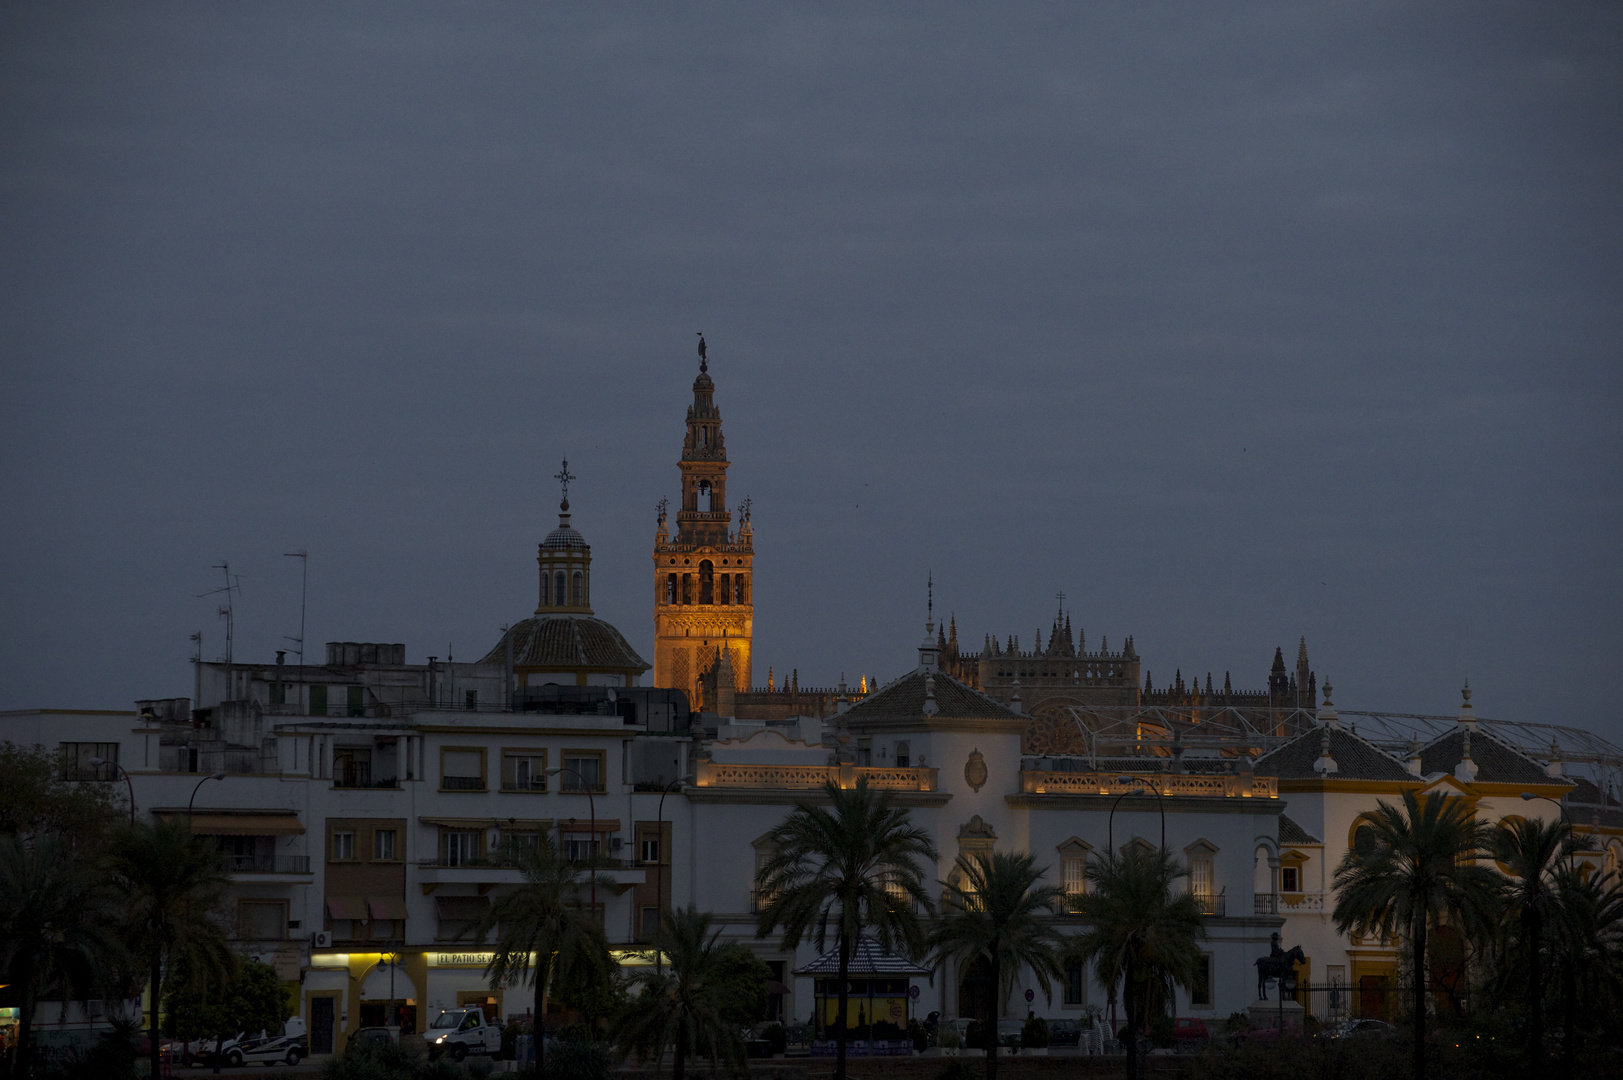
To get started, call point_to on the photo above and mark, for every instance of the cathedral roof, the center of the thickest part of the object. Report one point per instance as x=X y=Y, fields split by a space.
x=1496 y=763
x=1355 y=758
x=565 y=641
x=904 y=698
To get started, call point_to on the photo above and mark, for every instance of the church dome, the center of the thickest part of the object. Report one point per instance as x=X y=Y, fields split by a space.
x=564 y=537
x=565 y=642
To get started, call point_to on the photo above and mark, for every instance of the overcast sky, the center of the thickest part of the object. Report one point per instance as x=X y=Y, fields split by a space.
x=1235 y=322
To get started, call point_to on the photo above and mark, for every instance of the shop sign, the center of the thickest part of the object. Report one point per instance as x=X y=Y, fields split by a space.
x=460 y=959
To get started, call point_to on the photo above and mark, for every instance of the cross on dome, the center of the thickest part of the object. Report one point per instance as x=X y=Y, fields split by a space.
x=563 y=476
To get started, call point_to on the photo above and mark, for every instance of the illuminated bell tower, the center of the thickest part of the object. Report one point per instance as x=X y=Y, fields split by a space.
x=704 y=596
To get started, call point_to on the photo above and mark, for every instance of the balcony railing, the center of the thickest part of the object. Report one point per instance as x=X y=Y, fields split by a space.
x=462 y=783
x=1266 y=904
x=811 y=777
x=265 y=864
x=1292 y=903
x=349 y=781
x=1213 y=907
x=1218 y=786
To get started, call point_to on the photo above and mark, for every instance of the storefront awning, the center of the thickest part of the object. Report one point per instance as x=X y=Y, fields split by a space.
x=462 y=908
x=238 y=822
x=586 y=825
x=387 y=907
x=346 y=907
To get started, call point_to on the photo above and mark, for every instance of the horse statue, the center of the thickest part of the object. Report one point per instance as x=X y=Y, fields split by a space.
x=1278 y=964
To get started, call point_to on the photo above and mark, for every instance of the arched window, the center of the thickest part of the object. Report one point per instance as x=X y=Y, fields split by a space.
x=558 y=589
x=903 y=755
x=687 y=588
x=578 y=591
x=726 y=589
x=741 y=588
x=707 y=582
x=670 y=588
x=704 y=493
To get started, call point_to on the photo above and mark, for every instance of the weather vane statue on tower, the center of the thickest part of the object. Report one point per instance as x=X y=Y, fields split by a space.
x=702 y=363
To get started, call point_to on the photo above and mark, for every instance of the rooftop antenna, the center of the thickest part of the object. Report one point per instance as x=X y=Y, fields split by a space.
x=929 y=592
x=233 y=584
x=197 y=670
x=304 y=591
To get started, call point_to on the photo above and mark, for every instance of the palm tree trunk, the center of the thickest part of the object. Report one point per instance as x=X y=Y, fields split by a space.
x=157 y=987
x=679 y=1058
x=25 y=1024
x=540 y=1036
x=845 y=1000
x=1420 y=997
x=1132 y=1018
x=1532 y=924
x=997 y=1012
x=1569 y=1018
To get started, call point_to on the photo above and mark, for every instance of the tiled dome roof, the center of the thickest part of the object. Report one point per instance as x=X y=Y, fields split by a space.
x=565 y=641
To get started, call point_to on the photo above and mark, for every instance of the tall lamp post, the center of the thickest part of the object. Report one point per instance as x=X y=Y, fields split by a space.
x=659 y=868
x=126 y=776
x=1528 y=796
x=1160 y=803
x=200 y=783
x=591 y=806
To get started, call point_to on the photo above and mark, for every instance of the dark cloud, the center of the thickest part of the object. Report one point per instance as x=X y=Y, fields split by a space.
x=1236 y=324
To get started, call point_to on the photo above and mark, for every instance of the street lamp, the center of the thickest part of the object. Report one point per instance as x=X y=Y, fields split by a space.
x=1528 y=796
x=659 y=868
x=200 y=783
x=591 y=806
x=1159 y=802
x=126 y=776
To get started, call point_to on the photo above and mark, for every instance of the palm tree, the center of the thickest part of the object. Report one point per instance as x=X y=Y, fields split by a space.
x=995 y=911
x=852 y=867
x=1588 y=937
x=1531 y=851
x=698 y=1000
x=1142 y=935
x=1413 y=868
x=57 y=920
x=172 y=883
x=546 y=917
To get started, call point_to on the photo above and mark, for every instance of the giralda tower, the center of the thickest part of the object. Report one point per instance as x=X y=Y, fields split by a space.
x=704 y=602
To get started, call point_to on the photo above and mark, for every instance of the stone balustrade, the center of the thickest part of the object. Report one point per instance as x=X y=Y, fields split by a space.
x=713 y=774
x=1199 y=785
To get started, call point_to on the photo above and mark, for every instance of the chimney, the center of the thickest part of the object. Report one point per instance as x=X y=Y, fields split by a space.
x=1414 y=758
x=1554 y=767
x=1465 y=771
x=1327 y=711
x=1326 y=764
x=1467 y=714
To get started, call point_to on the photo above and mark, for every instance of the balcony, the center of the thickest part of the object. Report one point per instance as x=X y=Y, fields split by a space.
x=1170 y=785
x=462 y=783
x=610 y=873
x=811 y=777
x=1266 y=904
x=1212 y=907
x=1296 y=903
x=268 y=870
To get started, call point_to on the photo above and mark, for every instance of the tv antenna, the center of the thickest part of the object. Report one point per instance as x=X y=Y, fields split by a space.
x=233 y=585
x=304 y=592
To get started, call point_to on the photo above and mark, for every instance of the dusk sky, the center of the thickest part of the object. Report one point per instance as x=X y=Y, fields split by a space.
x=1235 y=323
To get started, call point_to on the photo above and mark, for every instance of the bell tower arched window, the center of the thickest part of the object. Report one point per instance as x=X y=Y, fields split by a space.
x=578 y=590
x=558 y=589
x=670 y=588
x=707 y=582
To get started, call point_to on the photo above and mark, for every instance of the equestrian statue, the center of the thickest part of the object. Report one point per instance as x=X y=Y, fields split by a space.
x=1278 y=964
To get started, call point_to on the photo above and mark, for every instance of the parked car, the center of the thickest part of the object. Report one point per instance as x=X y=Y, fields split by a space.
x=376 y=1035
x=1008 y=1033
x=290 y=1046
x=1064 y=1033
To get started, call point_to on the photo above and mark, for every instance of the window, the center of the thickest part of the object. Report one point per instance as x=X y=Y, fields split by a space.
x=383 y=845
x=462 y=768
x=318 y=701
x=1200 y=879
x=524 y=770
x=470 y=700
x=459 y=847
x=650 y=923
x=357 y=701
x=73 y=761
x=650 y=849
x=670 y=588
x=578 y=590
x=706 y=582
x=383 y=929
x=742 y=588
x=580 y=847
x=583 y=771
x=904 y=755
x=247 y=854
x=726 y=590
x=1290 y=879
x=1200 y=988
x=351 y=767
x=261 y=920
x=1072 y=879
x=558 y=589
x=343 y=845
x=1075 y=985
x=516 y=840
